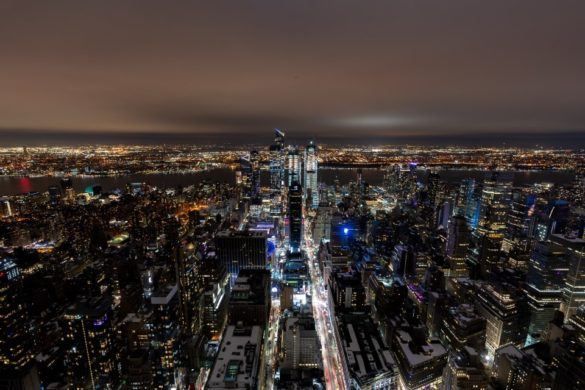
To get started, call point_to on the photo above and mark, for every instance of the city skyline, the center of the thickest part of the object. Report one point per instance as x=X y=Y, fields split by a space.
x=287 y=267
x=292 y=195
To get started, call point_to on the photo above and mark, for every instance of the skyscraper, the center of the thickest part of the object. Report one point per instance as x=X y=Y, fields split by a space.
x=547 y=271
x=5 y=208
x=300 y=341
x=518 y=224
x=277 y=161
x=249 y=301
x=463 y=327
x=293 y=166
x=165 y=330
x=495 y=196
x=311 y=185
x=574 y=289
x=16 y=343
x=215 y=281
x=457 y=246
x=255 y=173
x=503 y=310
x=238 y=250
x=433 y=197
x=89 y=338
x=295 y=216
x=464 y=371
x=468 y=201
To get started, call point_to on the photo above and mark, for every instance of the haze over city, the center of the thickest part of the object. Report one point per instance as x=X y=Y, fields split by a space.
x=394 y=71
x=301 y=195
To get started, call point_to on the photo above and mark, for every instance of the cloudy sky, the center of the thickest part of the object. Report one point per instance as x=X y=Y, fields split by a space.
x=393 y=70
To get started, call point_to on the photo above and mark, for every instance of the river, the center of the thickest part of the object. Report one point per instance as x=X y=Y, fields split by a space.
x=10 y=185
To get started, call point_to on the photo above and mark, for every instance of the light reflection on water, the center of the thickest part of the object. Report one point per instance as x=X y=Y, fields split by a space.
x=19 y=185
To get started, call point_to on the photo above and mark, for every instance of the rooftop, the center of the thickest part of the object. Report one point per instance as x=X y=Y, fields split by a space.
x=236 y=365
x=366 y=353
x=419 y=354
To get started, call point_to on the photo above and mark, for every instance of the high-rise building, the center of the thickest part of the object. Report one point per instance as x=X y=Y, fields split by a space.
x=547 y=271
x=550 y=219
x=457 y=246
x=166 y=332
x=16 y=342
x=347 y=291
x=250 y=298
x=463 y=327
x=519 y=222
x=255 y=174
x=277 y=161
x=5 y=208
x=90 y=350
x=568 y=360
x=465 y=371
x=468 y=202
x=366 y=358
x=514 y=368
x=574 y=288
x=433 y=183
x=578 y=321
x=54 y=195
x=504 y=311
x=295 y=216
x=433 y=199
x=293 y=166
x=579 y=188
x=322 y=225
x=187 y=265
x=495 y=196
x=311 y=184
x=238 y=250
x=139 y=370
x=216 y=286
x=420 y=361
x=244 y=177
x=301 y=348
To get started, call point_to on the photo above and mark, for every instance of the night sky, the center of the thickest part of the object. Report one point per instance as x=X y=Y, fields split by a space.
x=450 y=71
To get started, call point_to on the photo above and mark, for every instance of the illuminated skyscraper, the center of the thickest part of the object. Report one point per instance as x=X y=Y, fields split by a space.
x=552 y=218
x=244 y=177
x=579 y=188
x=300 y=343
x=166 y=332
x=311 y=185
x=495 y=197
x=216 y=283
x=293 y=166
x=503 y=310
x=89 y=336
x=457 y=246
x=277 y=161
x=462 y=327
x=255 y=173
x=574 y=289
x=465 y=371
x=5 y=208
x=519 y=222
x=16 y=343
x=295 y=216
x=468 y=201
x=547 y=271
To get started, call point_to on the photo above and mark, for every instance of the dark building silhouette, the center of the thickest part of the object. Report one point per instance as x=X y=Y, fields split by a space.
x=295 y=216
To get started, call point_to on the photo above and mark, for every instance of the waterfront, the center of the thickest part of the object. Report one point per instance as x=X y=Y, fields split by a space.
x=10 y=185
